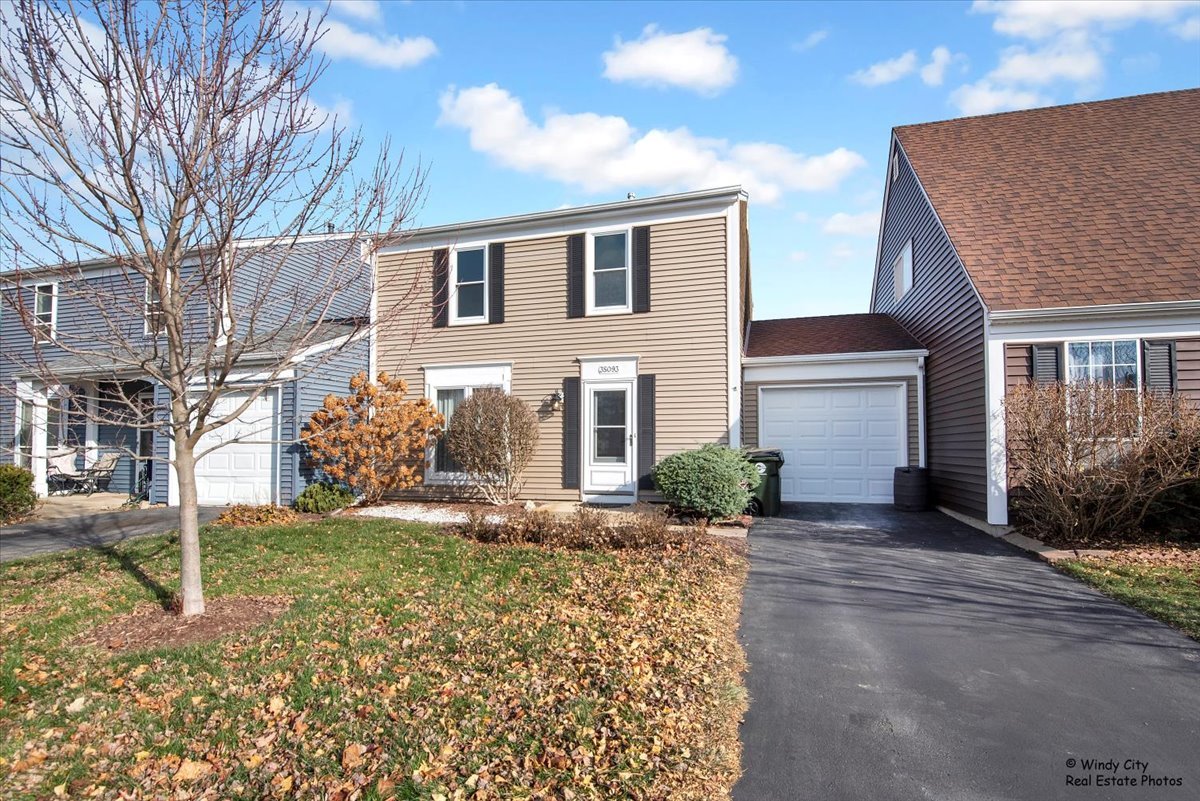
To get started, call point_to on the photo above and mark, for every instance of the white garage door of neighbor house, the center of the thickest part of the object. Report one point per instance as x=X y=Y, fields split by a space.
x=841 y=444
x=243 y=470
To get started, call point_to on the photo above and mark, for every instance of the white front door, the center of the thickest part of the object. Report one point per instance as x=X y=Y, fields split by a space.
x=608 y=436
x=243 y=469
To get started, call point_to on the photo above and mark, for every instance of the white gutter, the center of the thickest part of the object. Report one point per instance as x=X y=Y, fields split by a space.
x=817 y=358
x=1087 y=312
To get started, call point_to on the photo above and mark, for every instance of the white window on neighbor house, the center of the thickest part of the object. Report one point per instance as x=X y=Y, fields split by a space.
x=45 y=309
x=895 y=165
x=902 y=269
x=1109 y=361
x=608 y=272
x=155 y=316
x=448 y=386
x=468 y=285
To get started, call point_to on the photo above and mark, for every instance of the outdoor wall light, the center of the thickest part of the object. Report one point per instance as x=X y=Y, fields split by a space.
x=556 y=401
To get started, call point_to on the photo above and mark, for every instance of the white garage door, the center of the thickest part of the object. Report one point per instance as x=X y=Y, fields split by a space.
x=840 y=444
x=243 y=470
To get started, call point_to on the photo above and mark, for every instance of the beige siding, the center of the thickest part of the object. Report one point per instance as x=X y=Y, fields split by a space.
x=1187 y=368
x=682 y=340
x=750 y=411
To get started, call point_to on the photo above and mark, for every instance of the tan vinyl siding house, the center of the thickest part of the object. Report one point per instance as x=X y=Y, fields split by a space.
x=683 y=340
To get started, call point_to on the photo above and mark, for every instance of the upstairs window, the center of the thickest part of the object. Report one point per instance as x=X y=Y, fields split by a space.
x=902 y=270
x=609 y=273
x=468 y=283
x=156 y=318
x=45 y=302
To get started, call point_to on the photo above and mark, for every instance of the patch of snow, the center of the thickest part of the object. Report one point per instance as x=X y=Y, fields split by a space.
x=422 y=513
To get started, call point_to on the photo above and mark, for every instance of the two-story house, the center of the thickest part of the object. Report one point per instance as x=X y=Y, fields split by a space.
x=60 y=391
x=620 y=323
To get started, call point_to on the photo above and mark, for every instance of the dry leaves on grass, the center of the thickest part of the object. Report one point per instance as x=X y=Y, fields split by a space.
x=477 y=672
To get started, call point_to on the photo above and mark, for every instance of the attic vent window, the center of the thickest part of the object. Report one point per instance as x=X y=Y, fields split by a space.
x=895 y=165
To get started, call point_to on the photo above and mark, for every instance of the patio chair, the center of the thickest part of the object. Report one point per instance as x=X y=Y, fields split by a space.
x=100 y=473
x=62 y=477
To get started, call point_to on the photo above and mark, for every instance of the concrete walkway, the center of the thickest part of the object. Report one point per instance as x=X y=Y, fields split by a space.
x=89 y=530
x=906 y=656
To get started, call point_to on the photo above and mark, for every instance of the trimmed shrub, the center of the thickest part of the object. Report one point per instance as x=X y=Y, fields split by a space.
x=247 y=515
x=713 y=481
x=494 y=436
x=322 y=497
x=17 y=498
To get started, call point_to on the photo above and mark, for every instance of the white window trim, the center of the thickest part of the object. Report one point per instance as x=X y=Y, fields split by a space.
x=53 y=312
x=452 y=284
x=903 y=278
x=592 y=310
x=467 y=377
x=146 y=329
x=1137 y=357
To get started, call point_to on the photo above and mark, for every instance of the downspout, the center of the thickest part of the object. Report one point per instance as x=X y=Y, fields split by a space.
x=921 y=412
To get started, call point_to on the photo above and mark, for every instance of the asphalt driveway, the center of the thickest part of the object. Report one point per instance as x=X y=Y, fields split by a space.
x=908 y=656
x=89 y=531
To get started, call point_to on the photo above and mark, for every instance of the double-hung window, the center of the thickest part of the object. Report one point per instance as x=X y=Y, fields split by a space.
x=154 y=314
x=448 y=386
x=45 y=302
x=608 y=280
x=468 y=284
x=1112 y=362
x=903 y=270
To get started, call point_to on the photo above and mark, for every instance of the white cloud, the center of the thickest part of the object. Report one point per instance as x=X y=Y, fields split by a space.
x=798 y=256
x=812 y=40
x=340 y=41
x=602 y=153
x=865 y=224
x=1070 y=57
x=887 y=71
x=1041 y=19
x=984 y=97
x=697 y=60
x=1188 y=30
x=363 y=10
x=934 y=73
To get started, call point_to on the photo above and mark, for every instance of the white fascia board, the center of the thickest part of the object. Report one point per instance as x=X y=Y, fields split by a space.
x=833 y=371
x=1132 y=324
x=1143 y=311
x=667 y=208
x=478 y=374
x=817 y=358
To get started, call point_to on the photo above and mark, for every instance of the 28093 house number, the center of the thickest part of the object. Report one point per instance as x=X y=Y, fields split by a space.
x=608 y=369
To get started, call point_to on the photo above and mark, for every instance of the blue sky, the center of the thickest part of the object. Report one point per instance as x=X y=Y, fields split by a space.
x=520 y=107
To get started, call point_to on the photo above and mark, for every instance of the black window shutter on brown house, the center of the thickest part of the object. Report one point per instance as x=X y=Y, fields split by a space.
x=641 y=268
x=496 y=282
x=441 y=294
x=645 y=448
x=575 y=307
x=571 y=441
x=1047 y=364
x=1158 y=364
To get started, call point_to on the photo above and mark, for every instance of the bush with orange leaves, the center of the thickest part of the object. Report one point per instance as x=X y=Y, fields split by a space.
x=373 y=439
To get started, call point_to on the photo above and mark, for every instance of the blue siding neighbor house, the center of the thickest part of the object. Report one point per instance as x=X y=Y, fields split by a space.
x=61 y=404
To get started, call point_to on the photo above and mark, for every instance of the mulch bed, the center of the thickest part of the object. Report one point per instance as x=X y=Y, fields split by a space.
x=155 y=627
x=1183 y=558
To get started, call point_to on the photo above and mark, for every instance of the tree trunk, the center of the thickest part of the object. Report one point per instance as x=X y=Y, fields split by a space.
x=189 y=528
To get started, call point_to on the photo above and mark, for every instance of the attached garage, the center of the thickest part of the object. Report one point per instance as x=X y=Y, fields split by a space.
x=245 y=468
x=840 y=443
x=842 y=397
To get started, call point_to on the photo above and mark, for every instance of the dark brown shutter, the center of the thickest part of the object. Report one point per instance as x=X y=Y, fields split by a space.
x=571 y=423
x=1047 y=364
x=1158 y=365
x=496 y=282
x=645 y=427
x=575 y=307
x=441 y=294
x=641 y=268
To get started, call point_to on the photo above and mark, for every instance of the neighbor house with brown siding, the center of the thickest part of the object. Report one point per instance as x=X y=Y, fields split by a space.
x=620 y=323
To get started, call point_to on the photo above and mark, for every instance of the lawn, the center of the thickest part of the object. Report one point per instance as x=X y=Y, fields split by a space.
x=410 y=664
x=1163 y=583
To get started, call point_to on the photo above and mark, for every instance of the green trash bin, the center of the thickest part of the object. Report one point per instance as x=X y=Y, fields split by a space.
x=764 y=501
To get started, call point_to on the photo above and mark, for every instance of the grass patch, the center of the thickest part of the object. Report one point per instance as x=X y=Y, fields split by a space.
x=410 y=665
x=1168 y=590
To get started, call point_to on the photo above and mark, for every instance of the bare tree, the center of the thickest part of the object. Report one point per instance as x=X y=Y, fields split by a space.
x=178 y=144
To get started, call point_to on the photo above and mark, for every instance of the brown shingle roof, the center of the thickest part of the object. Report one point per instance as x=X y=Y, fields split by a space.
x=1078 y=205
x=840 y=333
